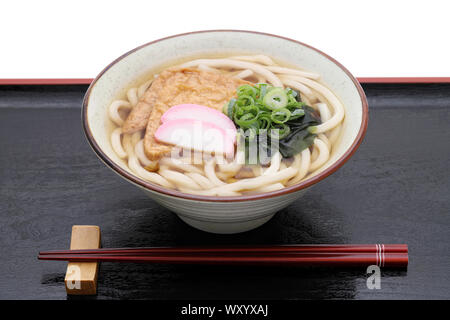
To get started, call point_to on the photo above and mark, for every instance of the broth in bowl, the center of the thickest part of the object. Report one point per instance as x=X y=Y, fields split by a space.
x=231 y=126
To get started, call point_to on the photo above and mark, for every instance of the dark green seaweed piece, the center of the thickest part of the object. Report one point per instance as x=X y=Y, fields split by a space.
x=299 y=138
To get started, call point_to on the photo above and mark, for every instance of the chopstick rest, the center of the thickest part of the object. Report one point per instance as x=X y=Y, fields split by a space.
x=81 y=277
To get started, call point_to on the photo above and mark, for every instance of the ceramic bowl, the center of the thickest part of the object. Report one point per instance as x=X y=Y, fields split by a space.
x=222 y=214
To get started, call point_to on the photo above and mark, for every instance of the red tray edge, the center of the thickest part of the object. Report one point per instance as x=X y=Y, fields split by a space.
x=85 y=81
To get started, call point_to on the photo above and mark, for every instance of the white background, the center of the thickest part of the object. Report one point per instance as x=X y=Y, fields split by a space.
x=76 y=39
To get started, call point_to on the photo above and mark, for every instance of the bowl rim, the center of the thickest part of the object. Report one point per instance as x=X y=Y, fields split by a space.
x=155 y=188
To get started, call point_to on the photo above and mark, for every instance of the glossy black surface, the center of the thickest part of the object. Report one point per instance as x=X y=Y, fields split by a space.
x=395 y=189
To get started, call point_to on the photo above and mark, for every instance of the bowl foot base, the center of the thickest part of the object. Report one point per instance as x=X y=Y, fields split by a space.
x=225 y=227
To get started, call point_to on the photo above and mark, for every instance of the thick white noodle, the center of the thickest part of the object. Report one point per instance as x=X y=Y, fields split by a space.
x=324 y=111
x=139 y=151
x=211 y=174
x=179 y=179
x=320 y=98
x=201 y=180
x=229 y=63
x=127 y=145
x=136 y=137
x=143 y=87
x=305 y=99
x=180 y=164
x=283 y=70
x=315 y=153
x=259 y=58
x=258 y=182
x=333 y=135
x=204 y=67
x=271 y=187
x=257 y=170
x=244 y=74
x=324 y=138
x=300 y=87
x=274 y=164
x=132 y=96
x=116 y=143
x=336 y=104
x=235 y=165
x=282 y=167
x=224 y=176
x=129 y=142
x=261 y=79
x=324 y=154
x=113 y=111
x=232 y=167
x=302 y=161
x=135 y=166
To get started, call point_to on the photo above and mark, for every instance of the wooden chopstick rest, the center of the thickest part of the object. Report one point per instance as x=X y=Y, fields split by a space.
x=81 y=277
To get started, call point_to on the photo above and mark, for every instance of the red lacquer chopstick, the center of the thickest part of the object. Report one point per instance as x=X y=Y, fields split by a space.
x=296 y=255
x=362 y=248
x=349 y=259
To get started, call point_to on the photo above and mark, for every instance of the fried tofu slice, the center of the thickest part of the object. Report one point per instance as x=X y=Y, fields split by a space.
x=178 y=86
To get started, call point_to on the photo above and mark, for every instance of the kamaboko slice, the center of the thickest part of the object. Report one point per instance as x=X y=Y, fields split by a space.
x=195 y=135
x=202 y=113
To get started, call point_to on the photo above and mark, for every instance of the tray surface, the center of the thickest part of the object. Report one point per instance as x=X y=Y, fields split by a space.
x=395 y=189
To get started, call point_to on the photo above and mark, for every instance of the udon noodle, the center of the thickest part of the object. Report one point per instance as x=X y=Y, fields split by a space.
x=210 y=177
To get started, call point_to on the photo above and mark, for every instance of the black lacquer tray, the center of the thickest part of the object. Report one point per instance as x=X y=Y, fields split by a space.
x=395 y=189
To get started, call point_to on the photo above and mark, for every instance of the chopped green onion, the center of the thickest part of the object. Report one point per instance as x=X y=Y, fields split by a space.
x=279 y=131
x=246 y=120
x=280 y=115
x=250 y=134
x=248 y=90
x=245 y=100
x=262 y=90
x=312 y=129
x=228 y=108
x=297 y=113
x=264 y=121
x=250 y=109
x=276 y=98
x=291 y=92
x=266 y=110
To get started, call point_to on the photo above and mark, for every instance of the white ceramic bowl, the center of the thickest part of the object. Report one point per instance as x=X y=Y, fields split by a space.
x=222 y=214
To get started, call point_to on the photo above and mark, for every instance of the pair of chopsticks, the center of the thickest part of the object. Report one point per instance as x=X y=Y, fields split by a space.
x=383 y=255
